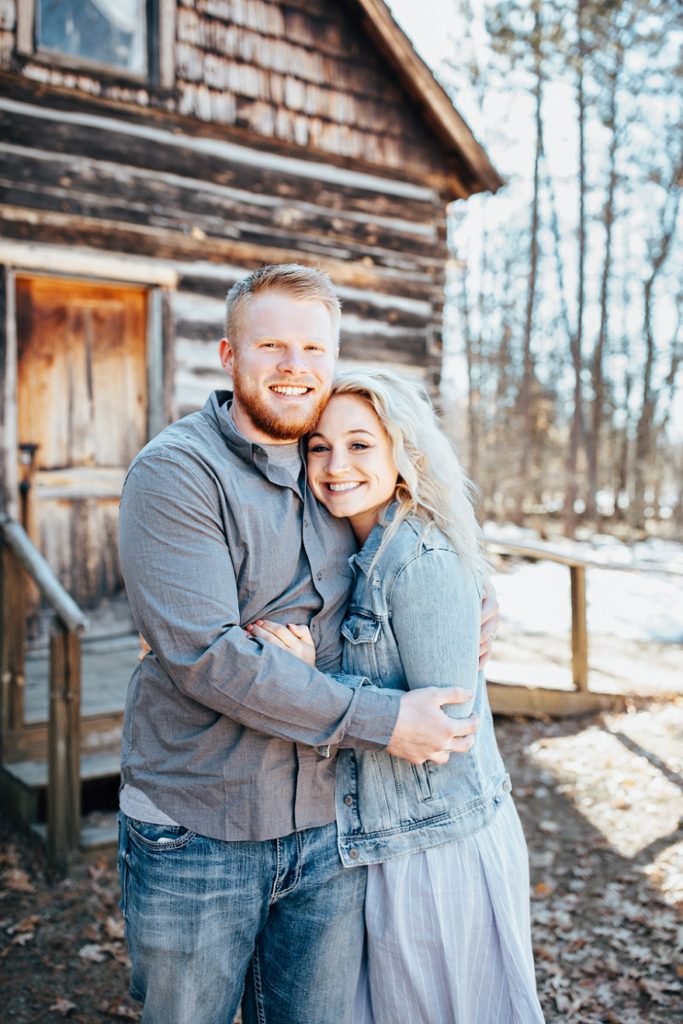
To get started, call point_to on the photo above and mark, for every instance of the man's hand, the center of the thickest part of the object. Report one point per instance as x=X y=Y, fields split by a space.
x=424 y=733
x=490 y=621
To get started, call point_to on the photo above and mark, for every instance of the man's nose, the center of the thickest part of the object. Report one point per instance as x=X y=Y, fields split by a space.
x=293 y=360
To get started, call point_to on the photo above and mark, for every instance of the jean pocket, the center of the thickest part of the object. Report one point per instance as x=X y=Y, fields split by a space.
x=159 y=838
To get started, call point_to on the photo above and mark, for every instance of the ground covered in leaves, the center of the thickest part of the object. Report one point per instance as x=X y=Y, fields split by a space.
x=601 y=804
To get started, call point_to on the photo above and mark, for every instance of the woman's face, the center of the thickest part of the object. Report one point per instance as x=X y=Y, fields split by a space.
x=351 y=468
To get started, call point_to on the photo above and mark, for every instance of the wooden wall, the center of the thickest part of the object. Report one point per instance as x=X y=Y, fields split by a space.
x=302 y=72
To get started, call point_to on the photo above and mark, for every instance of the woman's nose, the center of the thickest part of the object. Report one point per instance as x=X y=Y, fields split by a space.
x=337 y=461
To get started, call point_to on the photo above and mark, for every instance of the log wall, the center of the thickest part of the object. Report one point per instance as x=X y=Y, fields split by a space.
x=301 y=72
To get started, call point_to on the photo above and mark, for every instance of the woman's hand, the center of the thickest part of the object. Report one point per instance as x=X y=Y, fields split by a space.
x=295 y=639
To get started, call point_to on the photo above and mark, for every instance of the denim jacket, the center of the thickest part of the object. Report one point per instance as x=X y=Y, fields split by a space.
x=414 y=620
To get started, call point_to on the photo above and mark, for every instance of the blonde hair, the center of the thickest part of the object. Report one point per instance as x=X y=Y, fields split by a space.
x=291 y=279
x=432 y=486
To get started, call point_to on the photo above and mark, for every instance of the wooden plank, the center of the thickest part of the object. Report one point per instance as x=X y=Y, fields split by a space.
x=577 y=575
x=50 y=229
x=510 y=699
x=98 y=732
x=166 y=43
x=270 y=173
x=170 y=201
x=86 y=263
x=25 y=23
x=64 y=786
x=9 y=495
x=12 y=647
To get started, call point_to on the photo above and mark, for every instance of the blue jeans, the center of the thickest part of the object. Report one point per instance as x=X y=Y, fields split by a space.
x=207 y=921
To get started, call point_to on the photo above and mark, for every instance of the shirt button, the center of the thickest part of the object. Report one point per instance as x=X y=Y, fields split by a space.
x=353 y=854
x=319 y=575
x=348 y=799
x=305 y=522
x=507 y=786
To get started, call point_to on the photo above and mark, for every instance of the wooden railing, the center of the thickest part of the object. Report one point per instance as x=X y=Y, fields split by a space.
x=20 y=557
x=522 y=699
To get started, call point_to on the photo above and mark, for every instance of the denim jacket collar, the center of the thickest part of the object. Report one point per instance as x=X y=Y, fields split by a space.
x=363 y=559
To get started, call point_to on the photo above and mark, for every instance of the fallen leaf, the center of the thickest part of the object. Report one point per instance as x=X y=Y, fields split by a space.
x=63 y=1006
x=117 y=1008
x=17 y=880
x=27 y=925
x=93 y=953
x=115 y=927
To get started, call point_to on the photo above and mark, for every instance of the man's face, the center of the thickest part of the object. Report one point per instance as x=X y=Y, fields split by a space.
x=282 y=361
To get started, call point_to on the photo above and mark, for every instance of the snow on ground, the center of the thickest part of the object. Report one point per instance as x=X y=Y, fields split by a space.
x=641 y=606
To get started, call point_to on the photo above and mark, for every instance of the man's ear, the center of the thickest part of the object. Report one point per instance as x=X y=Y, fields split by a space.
x=226 y=355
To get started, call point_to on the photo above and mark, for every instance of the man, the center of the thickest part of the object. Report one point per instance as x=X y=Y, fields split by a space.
x=230 y=873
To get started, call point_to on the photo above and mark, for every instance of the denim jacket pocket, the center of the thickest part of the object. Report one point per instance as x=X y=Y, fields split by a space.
x=361 y=628
x=423 y=780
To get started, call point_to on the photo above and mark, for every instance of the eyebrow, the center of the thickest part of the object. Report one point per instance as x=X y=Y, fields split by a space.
x=353 y=430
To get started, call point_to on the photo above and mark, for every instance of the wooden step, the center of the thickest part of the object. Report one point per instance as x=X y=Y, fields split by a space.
x=93 y=766
x=23 y=784
x=99 y=835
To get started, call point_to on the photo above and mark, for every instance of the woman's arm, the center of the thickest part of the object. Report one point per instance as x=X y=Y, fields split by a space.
x=435 y=615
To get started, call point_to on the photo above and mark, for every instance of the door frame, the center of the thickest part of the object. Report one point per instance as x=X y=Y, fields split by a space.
x=96 y=268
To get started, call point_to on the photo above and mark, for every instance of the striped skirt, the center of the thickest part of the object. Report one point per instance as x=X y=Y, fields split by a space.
x=448 y=937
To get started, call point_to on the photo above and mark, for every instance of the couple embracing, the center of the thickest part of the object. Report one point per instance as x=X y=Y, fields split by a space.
x=315 y=819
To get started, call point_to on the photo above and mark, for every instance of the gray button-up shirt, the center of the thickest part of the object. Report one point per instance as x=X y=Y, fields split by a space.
x=221 y=732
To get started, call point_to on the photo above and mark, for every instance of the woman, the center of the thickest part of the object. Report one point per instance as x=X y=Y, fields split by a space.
x=447 y=907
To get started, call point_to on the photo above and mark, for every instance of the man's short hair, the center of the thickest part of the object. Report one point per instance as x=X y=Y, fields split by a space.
x=291 y=279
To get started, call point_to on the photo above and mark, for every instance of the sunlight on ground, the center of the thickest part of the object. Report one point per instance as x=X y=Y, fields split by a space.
x=625 y=778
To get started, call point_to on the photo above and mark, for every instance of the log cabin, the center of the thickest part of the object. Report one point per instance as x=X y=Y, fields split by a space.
x=151 y=152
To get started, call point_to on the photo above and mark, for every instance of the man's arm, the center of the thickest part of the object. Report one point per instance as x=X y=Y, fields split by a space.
x=183 y=594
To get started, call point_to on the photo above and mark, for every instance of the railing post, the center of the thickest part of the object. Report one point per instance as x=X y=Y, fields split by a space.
x=577 y=575
x=64 y=783
x=12 y=648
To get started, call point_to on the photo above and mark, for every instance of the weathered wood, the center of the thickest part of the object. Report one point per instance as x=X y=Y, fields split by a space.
x=12 y=645
x=64 y=786
x=82 y=262
x=174 y=245
x=83 y=407
x=86 y=187
x=511 y=699
x=9 y=497
x=166 y=28
x=25 y=19
x=197 y=132
x=98 y=732
x=577 y=575
x=102 y=137
x=16 y=539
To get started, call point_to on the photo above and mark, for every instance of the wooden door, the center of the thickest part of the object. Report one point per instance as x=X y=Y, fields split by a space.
x=82 y=416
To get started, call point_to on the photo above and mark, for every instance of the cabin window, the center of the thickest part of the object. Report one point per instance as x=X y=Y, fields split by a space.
x=128 y=38
x=109 y=32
